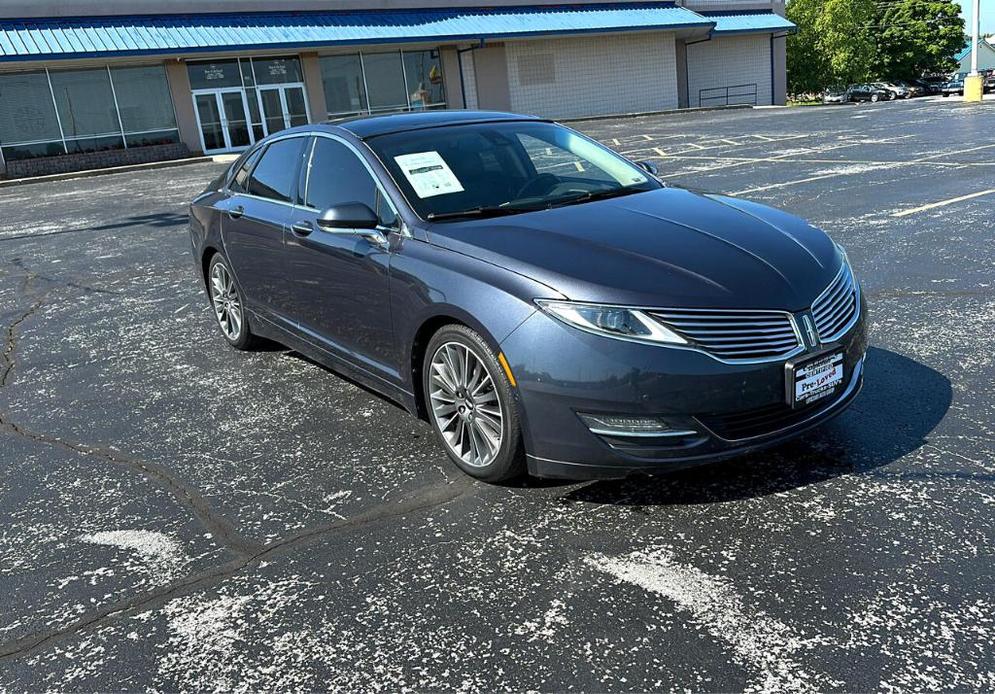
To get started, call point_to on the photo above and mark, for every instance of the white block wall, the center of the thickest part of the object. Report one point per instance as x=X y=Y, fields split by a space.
x=729 y=61
x=590 y=76
x=469 y=80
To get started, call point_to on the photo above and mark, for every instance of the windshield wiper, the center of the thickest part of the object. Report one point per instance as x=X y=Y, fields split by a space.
x=482 y=212
x=596 y=195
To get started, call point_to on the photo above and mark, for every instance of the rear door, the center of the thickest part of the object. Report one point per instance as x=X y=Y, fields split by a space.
x=255 y=223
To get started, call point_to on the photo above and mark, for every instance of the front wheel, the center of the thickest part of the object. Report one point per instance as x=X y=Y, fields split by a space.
x=471 y=405
x=874 y=98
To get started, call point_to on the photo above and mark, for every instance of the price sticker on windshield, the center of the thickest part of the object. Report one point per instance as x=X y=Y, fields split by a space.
x=429 y=174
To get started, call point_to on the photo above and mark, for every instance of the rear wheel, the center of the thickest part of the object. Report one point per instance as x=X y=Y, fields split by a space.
x=229 y=309
x=874 y=98
x=471 y=405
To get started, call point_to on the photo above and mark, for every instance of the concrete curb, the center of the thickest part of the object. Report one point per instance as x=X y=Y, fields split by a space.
x=667 y=112
x=104 y=172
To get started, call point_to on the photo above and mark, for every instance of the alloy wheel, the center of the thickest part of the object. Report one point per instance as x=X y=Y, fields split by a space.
x=465 y=404
x=227 y=306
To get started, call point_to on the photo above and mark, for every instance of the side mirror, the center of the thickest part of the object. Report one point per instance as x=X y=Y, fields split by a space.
x=349 y=216
x=649 y=167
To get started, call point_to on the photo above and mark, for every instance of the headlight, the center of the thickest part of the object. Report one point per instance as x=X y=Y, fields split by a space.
x=612 y=321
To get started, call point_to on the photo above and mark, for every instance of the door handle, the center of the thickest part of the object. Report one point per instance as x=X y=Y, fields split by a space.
x=302 y=228
x=236 y=212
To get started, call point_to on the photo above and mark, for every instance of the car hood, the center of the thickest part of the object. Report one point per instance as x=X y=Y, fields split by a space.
x=669 y=247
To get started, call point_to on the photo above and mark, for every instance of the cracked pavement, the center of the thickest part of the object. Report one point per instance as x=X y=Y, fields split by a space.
x=177 y=515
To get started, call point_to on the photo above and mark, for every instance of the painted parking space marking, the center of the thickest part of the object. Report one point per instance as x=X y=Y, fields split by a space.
x=762 y=645
x=943 y=203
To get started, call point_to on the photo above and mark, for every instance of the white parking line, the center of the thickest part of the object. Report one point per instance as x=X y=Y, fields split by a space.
x=762 y=645
x=943 y=203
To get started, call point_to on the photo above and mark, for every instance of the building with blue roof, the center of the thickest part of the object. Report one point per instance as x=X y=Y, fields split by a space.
x=84 y=85
x=986 y=57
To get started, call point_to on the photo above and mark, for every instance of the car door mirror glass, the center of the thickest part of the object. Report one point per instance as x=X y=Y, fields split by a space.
x=348 y=216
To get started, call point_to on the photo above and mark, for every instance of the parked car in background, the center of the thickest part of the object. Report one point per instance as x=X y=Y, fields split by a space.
x=930 y=88
x=912 y=88
x=954 y=86
x=990 y=82
x=893 y=90
x=866 y=92
x=836 y=96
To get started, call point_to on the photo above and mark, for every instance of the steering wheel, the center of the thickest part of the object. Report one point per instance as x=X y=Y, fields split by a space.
x=543 y=183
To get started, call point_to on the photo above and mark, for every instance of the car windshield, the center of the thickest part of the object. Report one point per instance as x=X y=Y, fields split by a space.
x=493 y=169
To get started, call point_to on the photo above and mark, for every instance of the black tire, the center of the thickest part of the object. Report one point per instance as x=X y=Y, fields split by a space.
x=242 y=339
x=508 y=462
x=874 y=98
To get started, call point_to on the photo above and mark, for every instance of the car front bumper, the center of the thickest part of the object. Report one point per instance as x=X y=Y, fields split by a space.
x=725 y=409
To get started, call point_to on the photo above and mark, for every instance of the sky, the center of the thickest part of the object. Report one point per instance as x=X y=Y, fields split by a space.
x=987 y=15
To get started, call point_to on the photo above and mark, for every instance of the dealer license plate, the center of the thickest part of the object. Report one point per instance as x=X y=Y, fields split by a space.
x=817 y=379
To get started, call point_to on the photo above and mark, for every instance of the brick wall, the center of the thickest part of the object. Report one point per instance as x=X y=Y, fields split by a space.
x=67 y=163
x=593 y=76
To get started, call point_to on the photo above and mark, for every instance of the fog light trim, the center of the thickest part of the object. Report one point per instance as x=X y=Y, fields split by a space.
x=630 y=426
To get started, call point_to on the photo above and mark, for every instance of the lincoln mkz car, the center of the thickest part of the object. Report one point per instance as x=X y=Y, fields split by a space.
x=546 y=304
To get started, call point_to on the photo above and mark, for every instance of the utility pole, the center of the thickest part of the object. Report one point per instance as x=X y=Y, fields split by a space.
x=973 y=83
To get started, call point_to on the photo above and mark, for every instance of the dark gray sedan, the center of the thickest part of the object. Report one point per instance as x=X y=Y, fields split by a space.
x=545 y=303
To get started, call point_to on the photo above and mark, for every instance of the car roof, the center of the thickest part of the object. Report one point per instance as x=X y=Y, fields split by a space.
x=371 y=126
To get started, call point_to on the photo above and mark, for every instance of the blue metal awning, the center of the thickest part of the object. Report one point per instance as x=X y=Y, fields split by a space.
x=748 y=22
x=52 y=39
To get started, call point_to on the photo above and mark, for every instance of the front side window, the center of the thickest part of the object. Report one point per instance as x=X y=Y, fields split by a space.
x=276 y=173
x=503 y=168
x=338 y=177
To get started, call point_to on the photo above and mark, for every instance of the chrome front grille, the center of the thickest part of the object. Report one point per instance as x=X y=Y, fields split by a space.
x=836 y=307
x=734 y=335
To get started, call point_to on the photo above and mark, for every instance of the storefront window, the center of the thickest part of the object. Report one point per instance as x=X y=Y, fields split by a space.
x=145 y=105
x=214 y=75
x=342 y=77
x=385 y=80
x=277 y=70
x=98 y=109
x=423 y=71
x=28 y=125
x=397 y=81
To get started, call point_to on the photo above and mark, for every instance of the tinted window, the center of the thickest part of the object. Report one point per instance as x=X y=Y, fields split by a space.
x=240 y=181
x=338 y=177
x=276 y=172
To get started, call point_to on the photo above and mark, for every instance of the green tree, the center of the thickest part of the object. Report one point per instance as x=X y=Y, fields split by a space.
x=833 y=45
x=916 y=37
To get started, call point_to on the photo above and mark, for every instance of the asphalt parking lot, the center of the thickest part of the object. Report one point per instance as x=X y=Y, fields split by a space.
x=176 y=515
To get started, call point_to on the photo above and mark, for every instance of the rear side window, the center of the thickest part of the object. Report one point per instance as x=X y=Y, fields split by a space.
x=338 y=177
x=240 y=181
x=276 y=173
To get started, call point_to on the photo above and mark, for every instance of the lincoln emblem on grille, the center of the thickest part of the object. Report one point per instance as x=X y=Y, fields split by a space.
x=813 y=337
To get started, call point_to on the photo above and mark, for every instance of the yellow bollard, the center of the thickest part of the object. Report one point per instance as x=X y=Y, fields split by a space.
x=974 y=87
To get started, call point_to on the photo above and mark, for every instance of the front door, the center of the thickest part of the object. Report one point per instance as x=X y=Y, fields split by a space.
x=282 y=107
x=342 y=299
x=221 y=115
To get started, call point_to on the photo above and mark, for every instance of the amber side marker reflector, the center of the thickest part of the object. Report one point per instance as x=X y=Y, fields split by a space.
x=507 y=370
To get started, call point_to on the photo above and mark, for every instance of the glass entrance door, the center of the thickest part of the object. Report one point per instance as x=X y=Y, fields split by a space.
x=221 y=115
x=282 y=107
